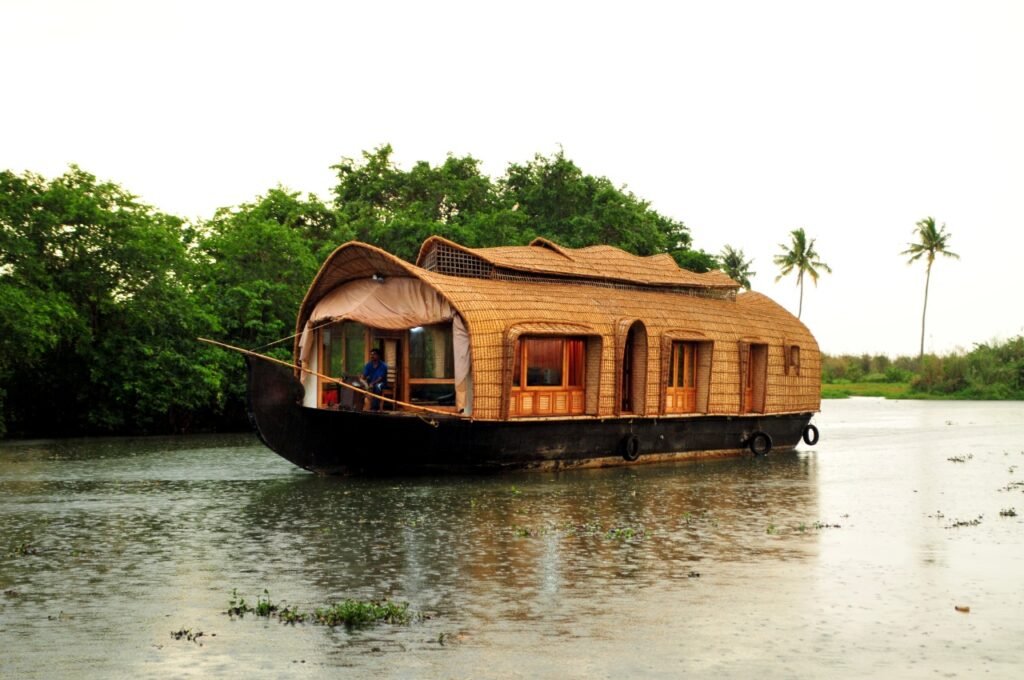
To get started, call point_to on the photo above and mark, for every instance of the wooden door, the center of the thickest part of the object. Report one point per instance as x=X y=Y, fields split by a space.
x=626 y=403
x=681 y=391
x=754 y=365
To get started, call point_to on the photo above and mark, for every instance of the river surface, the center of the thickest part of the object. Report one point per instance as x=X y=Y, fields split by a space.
x=845 y=559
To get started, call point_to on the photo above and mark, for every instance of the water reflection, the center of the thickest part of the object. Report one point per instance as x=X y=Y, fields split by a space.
x=534 y=533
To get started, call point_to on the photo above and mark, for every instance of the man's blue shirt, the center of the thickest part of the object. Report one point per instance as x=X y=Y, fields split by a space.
x=378 y=373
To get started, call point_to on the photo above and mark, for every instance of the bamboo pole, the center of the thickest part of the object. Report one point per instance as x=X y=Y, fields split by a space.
x=336 y=381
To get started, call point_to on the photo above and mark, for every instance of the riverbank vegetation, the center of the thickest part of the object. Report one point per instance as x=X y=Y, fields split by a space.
x=993 y=370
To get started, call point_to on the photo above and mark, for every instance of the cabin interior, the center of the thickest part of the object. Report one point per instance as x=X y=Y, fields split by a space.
x=420 y=361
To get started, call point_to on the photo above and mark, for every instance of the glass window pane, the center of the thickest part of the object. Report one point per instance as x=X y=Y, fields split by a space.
x=440 y=394
x=680 y=364
x=430 y=352
x=355 y=348
x=575 y=350
x=543 y=362
x=331 y=339
x=517 y=368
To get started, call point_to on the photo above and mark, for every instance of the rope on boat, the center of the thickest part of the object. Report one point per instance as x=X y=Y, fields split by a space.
x=336 y=381
x=328 y=322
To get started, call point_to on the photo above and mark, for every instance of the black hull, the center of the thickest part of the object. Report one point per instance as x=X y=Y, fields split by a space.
x=348 y=442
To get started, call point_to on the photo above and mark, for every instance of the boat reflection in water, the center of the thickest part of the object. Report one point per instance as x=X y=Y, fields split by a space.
x=454 y=538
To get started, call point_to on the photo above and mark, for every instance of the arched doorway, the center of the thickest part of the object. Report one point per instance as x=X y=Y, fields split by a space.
x=633 y=370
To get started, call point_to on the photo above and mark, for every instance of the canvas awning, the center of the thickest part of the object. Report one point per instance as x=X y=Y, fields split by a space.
x=394 y=303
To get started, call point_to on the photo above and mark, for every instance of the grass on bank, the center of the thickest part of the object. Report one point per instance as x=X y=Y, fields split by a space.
x=843 y=390
x=868 y=389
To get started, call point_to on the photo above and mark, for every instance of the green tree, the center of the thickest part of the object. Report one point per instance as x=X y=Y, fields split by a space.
x=397 y=210
x=316 y=222
x=560 y=202
x=547 y=196
x=98 y=322
x=801 y=257
x=256 y=262
x=931 y=241
x=736 y=266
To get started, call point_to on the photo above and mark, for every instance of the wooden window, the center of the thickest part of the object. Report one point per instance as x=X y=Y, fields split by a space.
x=356 y=354
x=548 y=377
x=431 y=365
x=343 y=354
x=793 y=360
x=681 y=389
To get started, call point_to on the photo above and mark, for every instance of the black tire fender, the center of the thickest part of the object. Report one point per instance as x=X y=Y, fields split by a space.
x=760 y=443
x=810 y=435
x=631 y=447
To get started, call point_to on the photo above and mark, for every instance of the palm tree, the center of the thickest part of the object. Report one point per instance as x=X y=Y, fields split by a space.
x=931 y=241
x=800 y=255
x=736 y=267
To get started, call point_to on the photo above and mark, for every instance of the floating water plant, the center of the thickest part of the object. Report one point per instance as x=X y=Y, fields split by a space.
x=237 y=605
x=263 y=605
x=187 y=634
x=966 y=522
x=1007 y=512
x=291 y=616
x=349 y=613
x=585 y=529
x=624 y=533
x=355 y=614
x=960 y=459
x=801 y=528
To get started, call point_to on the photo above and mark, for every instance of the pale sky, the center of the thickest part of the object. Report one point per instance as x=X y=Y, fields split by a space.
x=743 y=119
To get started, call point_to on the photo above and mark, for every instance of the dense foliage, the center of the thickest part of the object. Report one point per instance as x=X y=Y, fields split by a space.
x=98 y=317
x=989 y=371
x=102 y=297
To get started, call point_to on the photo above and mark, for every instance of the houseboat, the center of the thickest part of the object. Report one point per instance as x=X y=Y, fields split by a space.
x=535 y=357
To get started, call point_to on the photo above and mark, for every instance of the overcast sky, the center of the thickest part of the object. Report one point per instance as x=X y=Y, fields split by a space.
x=745 y=120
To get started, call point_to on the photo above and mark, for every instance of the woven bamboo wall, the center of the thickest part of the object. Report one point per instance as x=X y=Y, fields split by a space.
x=490 y=308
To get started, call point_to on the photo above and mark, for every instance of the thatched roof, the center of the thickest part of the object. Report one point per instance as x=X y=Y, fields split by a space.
x=602 y=262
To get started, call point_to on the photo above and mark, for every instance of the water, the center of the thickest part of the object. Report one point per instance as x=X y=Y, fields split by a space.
x=842 y=558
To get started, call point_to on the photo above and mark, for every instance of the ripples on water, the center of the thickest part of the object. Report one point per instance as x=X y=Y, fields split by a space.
x=840 y=558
